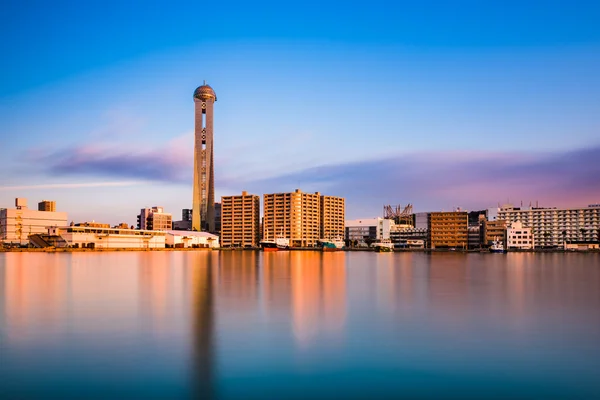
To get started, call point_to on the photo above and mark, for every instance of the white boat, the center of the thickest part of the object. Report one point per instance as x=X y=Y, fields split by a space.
x=334 y=244
x=280 y=243
x=383 y=246
x=497 y=246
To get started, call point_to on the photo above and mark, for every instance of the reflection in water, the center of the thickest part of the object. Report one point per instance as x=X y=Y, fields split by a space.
x=246 y=324
x=203 y=269
x=33 y=297
x=318 y=287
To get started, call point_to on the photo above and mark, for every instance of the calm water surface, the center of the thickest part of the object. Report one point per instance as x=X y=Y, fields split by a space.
x=248 y=325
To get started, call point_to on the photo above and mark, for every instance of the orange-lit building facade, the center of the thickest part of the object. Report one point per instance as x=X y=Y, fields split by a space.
x=448 y=229
x=240 y=220
x=333 y=215
x=494 y=230
x=296 y=216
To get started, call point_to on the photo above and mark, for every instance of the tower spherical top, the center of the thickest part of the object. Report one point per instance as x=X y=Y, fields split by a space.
x=205 y=92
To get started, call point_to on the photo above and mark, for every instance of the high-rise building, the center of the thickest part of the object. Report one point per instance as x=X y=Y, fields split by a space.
x=448 y=229
x=333 y=214
x=240 y=220
x=296 y=216
x=47 y=205
x=203 y=204
x=552 y=227
x=154 y=219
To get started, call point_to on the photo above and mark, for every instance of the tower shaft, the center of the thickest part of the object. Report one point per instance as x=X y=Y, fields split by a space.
x=203 y=205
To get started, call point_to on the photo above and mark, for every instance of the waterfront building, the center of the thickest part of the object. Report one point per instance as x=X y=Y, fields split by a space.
x=47 y=205
x=17 y=224
x=408 y=237
x=203 y=202
x=240 y=220
x=100 y=238
x=552 y=227
x=154 y=219
x=333 y=215
x=519 y=237
x=448 y=229
x=368 y=230
x=493 y=230
x=179 y=239
x=296 y=216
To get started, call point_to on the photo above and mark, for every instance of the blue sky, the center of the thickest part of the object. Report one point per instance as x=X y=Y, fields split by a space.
x=441 y=104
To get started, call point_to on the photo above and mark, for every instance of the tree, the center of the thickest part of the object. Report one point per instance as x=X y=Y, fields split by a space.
x=582 y=230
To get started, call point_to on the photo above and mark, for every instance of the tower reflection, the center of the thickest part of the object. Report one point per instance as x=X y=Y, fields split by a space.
x=202 y=268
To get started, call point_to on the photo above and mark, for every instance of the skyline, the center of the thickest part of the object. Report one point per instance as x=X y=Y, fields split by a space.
x=446 y=107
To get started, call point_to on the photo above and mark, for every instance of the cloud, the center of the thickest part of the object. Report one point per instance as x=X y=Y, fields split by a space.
x=170 y=162
x=434 y=181
x=72 y=185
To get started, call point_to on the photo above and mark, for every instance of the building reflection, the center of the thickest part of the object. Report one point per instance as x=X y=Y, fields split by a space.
x=318 y=294
x=154 y=285
x=35 y=293
x=276 y=277
x=448 y=288
x=238 y=281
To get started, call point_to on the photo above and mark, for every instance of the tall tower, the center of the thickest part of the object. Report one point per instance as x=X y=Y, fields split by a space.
x=203 y=204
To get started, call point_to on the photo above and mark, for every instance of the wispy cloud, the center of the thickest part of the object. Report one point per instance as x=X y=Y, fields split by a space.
x=446 y=180
x=73 y=185
x=170 y=162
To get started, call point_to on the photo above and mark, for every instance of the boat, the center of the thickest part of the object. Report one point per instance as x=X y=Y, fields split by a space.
x=497 y=246
x=383 y=246
x=280 y=243
x=335 y=244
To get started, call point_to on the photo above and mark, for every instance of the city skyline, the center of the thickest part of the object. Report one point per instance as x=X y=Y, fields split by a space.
x=440 y=107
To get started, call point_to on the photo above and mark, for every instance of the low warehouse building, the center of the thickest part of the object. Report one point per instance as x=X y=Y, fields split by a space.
x=108 y=238
x=191 y=239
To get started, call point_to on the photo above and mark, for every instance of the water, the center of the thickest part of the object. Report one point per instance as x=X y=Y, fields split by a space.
x=297 y=325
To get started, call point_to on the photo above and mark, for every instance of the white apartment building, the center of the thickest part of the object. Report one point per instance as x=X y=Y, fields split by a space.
x=17 y=224
x=371 y=228
x=551 y=227
x=519 y=237
x=154 y=219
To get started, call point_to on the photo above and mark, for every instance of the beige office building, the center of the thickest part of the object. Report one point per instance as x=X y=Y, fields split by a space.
x=17 y=224
x=240 y=220
x=303 y=218
x=333 y=213
x=154 y=219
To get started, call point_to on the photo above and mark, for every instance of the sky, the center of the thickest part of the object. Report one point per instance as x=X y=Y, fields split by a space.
x=439 y=104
